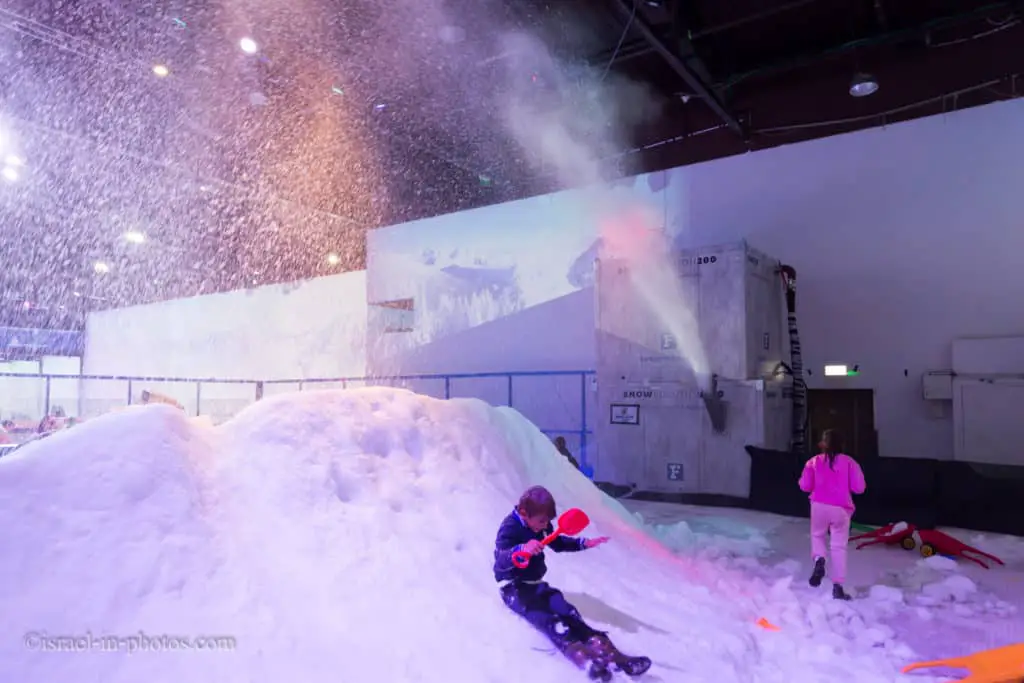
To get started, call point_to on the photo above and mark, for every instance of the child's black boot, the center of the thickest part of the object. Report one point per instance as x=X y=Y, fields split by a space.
x=819 y=572
x=604 y=651
x=839 y=594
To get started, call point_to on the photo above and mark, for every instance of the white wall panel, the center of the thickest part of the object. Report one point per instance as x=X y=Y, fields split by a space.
x=314 y=328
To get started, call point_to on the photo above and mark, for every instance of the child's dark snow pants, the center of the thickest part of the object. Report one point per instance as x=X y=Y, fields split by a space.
x=549 y=612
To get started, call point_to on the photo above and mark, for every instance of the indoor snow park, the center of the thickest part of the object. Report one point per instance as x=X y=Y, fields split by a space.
x=472 y=340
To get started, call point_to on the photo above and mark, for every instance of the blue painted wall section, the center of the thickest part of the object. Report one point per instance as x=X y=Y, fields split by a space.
x=24 y=343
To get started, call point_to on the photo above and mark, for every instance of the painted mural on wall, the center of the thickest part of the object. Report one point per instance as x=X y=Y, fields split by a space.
x=433 y=278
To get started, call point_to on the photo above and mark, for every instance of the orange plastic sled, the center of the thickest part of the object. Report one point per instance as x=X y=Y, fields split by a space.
x=1001 y=665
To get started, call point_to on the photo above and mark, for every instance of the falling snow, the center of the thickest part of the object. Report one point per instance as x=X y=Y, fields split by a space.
x=164 y=149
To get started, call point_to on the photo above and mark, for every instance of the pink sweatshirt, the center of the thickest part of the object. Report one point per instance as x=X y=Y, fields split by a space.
x=833 y=486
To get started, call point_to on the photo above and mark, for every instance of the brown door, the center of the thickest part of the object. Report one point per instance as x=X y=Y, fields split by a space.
x=851 y=411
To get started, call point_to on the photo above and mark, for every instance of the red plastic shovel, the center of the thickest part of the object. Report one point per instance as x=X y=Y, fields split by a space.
x=570 y=523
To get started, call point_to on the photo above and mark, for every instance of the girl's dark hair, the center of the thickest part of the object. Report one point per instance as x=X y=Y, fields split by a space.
x=833 y=441
x=536 y=501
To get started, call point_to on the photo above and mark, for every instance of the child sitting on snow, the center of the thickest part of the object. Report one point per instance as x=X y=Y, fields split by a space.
x=526 y=593
x=831 y=477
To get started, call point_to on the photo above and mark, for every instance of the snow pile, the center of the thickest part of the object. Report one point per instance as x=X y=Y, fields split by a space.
x=934 y=585
x=347 y=535
x=108 y=533
x=715 y=542
x=938 y=563
x=898 y=527
x=955 y=588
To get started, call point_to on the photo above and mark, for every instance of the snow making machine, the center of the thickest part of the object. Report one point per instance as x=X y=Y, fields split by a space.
x=663 y=427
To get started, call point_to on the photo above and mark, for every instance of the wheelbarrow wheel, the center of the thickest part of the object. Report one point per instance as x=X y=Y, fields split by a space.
x=908 y=543
x=927 y=550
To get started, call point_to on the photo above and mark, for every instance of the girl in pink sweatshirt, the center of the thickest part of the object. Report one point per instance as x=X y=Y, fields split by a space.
x=831 y=477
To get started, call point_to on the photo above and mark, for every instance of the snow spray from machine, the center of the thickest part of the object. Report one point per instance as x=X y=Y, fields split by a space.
x=570 y=134
x=633 y=237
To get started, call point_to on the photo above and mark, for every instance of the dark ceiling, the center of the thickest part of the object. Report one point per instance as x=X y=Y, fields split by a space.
x=245 y=169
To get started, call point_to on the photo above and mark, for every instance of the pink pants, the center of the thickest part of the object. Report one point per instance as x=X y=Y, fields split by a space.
x=834 y=521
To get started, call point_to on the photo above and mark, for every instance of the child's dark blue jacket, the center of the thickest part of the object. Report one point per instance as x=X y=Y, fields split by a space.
x=513 y=534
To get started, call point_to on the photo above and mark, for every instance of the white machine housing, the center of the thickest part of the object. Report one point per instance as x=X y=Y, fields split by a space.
x=987 y=391
x=654 y=429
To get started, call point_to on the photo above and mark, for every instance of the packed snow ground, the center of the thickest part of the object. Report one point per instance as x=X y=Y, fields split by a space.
x=938 y=606
x=347 y=535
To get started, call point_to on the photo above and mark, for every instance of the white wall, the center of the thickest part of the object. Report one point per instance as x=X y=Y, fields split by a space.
x=506 y=288
x=21 y=398
x=24 y=398
x=479 y=279
x=313 y=328
x=903 y=238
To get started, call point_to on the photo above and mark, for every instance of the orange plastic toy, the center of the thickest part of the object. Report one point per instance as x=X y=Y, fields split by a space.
x=1001 y=665
x=570 y=523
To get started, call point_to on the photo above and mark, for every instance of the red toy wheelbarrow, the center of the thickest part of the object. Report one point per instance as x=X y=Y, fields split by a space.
x=888 y=534
x=935 y=542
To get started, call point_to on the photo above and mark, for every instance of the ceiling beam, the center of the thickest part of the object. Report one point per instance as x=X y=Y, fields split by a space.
x=878 y=38
x=750 y=18
x=700 y=89
x=627 y=51
x=683 y=20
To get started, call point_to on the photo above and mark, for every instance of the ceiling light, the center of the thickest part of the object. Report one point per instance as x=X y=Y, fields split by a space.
x=100 y=267
x=248 y=46
x=333 y=259
x=863 y=85
x=135 y=237
x=14 y=160
x=11 y=174
x=161 y=70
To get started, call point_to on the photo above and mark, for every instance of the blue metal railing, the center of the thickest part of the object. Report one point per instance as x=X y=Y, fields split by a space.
x=581 y=430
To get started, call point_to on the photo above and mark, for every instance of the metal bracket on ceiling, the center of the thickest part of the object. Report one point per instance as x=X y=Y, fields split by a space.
x=700 y=89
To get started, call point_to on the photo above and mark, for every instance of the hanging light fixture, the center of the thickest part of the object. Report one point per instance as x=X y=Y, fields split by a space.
x=863 y=85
